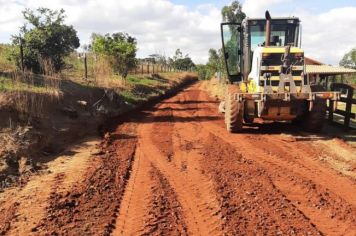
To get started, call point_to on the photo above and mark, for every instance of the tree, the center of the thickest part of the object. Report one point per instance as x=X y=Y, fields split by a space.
x=204 y=72
x=45 y=39
x=178 y=55
x=233 y=13
x=120 y=47
x=182 y=63
x=349 y=59
x=214 y=60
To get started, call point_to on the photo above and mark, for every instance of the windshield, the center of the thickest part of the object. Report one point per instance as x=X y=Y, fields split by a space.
x=231 y=46
x=282 y=34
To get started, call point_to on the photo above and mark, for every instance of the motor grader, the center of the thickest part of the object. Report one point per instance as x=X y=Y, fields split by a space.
x=267 y=77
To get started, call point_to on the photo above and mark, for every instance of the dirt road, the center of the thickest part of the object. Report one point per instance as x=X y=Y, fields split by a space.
x=174 y=170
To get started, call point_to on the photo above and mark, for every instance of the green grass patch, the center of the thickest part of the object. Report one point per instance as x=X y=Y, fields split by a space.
x=131 y=98
x=141 y=80
x=8 y=85
x=75 y=66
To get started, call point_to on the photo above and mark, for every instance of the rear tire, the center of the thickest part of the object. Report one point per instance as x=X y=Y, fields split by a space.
x=233 y=110
x=314 y=120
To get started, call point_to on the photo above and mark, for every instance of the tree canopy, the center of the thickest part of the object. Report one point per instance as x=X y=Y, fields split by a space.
x=120 y=47
x=349 y=59
x=233 y=13
x=182 y=63
x=45 y=39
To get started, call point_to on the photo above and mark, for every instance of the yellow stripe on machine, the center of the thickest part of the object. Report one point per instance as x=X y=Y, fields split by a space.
x=280 y=50
x=276 y=78
x=268 y=68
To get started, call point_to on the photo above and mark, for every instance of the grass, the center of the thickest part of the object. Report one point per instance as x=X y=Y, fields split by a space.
x=134 y=89
x=215 y=88
x=141 y=80
x=9 y=85
x=139 y=88
x=131 y=98
x=75 y=66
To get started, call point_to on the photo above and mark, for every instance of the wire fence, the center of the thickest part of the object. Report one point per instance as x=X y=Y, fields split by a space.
x=147 y=68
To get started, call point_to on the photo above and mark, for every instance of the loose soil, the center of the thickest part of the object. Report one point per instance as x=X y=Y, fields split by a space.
x=174 y=170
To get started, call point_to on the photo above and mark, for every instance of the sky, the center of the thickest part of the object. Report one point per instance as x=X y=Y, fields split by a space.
x=162 y=26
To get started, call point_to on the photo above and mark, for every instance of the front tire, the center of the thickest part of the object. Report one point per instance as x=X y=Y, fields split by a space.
x=233 y=111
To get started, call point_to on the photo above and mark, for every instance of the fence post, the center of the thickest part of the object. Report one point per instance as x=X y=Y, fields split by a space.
x=142 y=69
x=85 y=66
x=148 y=68
x=350 y=94
x=331 y=107
x=153 y=68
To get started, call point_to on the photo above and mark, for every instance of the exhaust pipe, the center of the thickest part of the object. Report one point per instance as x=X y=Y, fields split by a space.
x=268 y=29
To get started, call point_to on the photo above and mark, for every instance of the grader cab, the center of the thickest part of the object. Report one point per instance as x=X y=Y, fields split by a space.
x=266 y=75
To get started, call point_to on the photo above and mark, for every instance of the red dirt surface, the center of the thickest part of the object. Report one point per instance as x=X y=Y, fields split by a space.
x=174 y=170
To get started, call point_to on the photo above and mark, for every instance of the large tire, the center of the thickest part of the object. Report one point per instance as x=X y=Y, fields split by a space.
x=314 y=120
x=233 y=111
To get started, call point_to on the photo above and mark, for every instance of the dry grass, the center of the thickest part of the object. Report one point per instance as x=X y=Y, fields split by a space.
x=28 y=93
x=215 y=88
x=104 y=75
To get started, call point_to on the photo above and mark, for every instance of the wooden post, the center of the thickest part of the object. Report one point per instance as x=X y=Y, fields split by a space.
x=350 y=93
x=142 y=69
x=153 y=68
x=331 y=108
x=148 y=68
x=85 y=66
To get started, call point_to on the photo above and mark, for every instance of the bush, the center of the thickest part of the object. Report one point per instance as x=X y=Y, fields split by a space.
x=120 y=47
x=204 y=72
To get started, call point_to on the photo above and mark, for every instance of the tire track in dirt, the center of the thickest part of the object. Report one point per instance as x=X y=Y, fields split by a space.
x=150 y=205
x=197 y=223
x=200 y=217
x=165 y=214
x=187 y=141
x=136 y=199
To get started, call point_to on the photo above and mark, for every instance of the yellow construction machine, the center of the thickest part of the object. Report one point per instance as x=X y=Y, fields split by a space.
x=267 y=77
